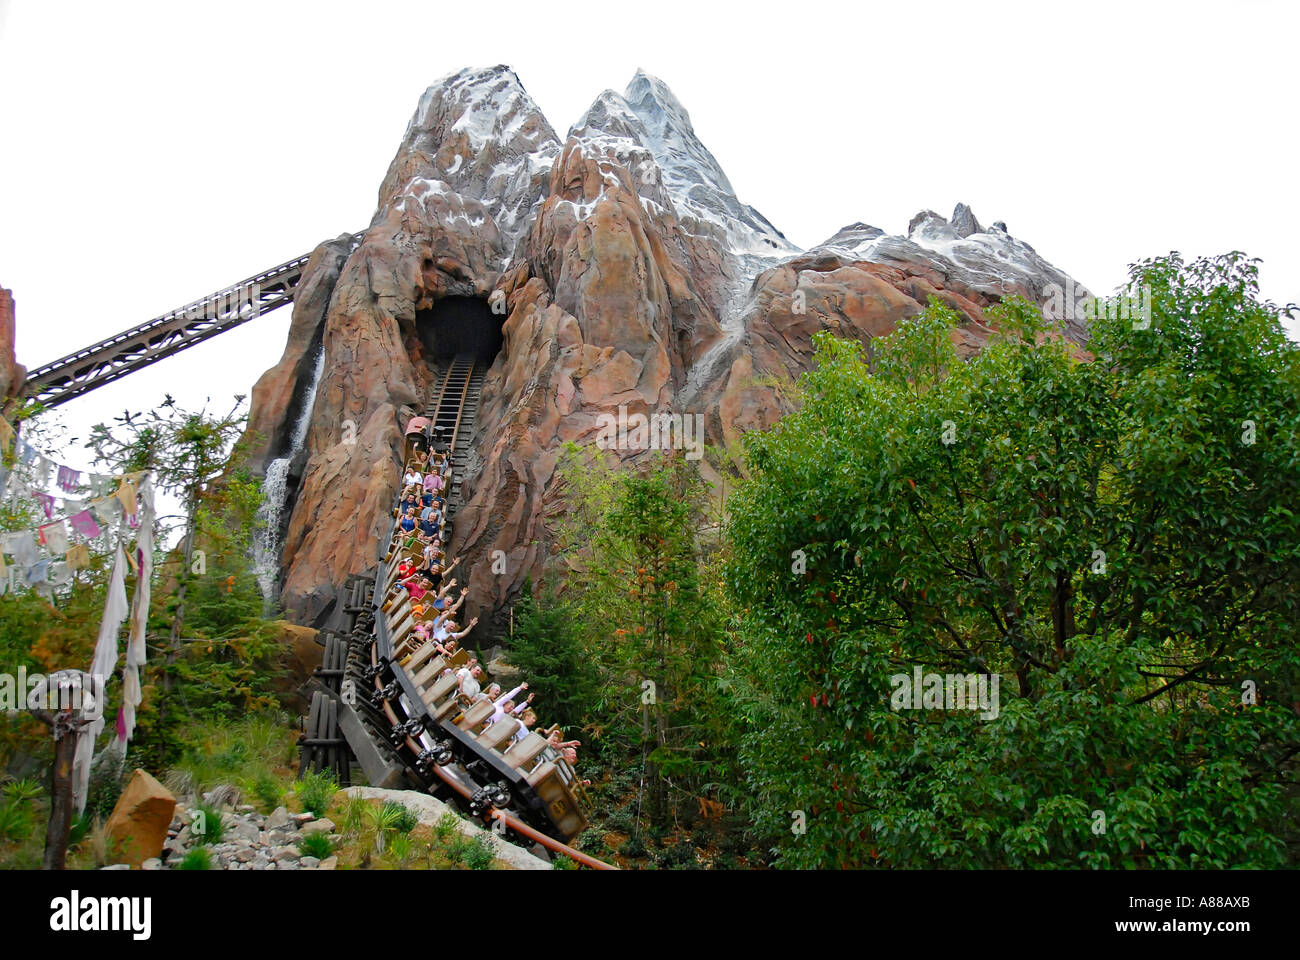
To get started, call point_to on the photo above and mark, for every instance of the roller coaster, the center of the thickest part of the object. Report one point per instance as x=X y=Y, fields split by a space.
x=388 y=699
x=383 y=698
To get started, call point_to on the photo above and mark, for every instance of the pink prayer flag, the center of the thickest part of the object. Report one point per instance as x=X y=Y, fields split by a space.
x=47 y=504
x=69 y=479
x=84 y=524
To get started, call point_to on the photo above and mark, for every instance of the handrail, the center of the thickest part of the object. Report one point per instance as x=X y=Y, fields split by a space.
x=551 y=843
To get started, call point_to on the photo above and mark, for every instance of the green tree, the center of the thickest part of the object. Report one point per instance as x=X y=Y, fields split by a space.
x=50 y=632
x=1115 y=539
x=221 y=655
x=187 y=452
x=651 y=626
x=549 y=653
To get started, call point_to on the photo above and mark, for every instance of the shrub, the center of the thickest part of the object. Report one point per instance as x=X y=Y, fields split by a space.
x=635 y=847
x=354 y=815
x=105 y=786
x=480 y=855
x=198 y=858
x=457 y=849
x=446 y=826
x=15 y=821
x=22 y=790
x=208 y=827
x=80 y=828
x=265 y=789
x=680 y=856
x=404 y=820
x=316 y=845
x=388 y=817
x=316 y=790
x=400 y=848
x=621 y=820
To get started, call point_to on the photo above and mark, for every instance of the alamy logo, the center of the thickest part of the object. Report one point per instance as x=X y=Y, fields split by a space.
x=946 y=691
x=1076 y=303
x=66 y=690
x=228 y=303
x=659 y=431
x=76 y=913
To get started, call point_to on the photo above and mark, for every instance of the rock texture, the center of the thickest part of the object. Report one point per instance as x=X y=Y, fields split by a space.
x=279 y=394
x=253 y=841
x=300 y=657
x=137 y=827
x=12 y=373
x=249 y=841
x=631 y=276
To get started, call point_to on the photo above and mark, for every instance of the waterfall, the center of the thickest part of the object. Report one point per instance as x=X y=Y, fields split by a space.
x=266 y=541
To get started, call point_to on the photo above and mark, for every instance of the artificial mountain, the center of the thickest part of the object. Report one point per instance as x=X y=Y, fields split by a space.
x=630 y=275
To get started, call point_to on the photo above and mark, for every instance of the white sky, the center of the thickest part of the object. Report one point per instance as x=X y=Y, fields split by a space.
x=153 y=153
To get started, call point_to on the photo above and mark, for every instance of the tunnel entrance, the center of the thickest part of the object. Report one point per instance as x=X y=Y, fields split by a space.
x=460 y=325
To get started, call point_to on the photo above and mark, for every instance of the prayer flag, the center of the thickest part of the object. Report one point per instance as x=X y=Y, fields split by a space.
x=84 y=524
x=69 y=479
x=78 y=556
x=126 y=496
x=55 y=537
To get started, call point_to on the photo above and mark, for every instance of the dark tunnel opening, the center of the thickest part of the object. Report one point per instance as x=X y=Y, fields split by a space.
x=460 y=325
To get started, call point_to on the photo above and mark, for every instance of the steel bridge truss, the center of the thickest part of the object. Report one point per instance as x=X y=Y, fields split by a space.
x=131 y=350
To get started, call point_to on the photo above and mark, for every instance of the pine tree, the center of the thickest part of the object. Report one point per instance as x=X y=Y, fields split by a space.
x=549 y=654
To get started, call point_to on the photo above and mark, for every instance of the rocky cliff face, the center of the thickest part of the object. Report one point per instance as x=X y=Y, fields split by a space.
x=632 y=277
x=12 y=373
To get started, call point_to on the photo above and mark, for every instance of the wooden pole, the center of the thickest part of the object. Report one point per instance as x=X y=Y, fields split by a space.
x=64 y=725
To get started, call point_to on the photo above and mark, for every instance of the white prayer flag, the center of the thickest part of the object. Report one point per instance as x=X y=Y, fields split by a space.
x=101 y=667
x=56 y=538
x=135 y=646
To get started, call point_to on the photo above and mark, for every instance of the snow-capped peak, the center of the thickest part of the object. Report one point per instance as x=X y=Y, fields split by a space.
x=479 y=134
x=989 y=260
x=648 y=114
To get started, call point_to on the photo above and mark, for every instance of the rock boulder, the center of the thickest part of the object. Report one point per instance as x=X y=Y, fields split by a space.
x=138 y=825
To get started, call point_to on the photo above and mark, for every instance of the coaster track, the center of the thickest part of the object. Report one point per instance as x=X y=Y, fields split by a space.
x=379 y=698
x=61 y=380
x=389 y=702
